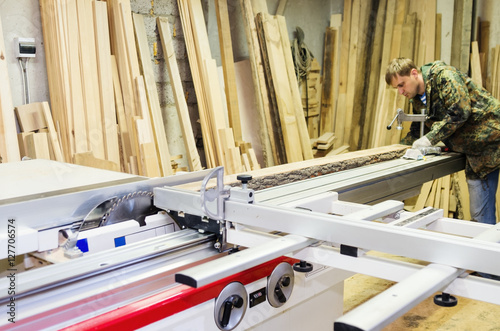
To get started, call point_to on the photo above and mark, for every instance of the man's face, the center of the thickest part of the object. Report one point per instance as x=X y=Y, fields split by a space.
x=406 y=85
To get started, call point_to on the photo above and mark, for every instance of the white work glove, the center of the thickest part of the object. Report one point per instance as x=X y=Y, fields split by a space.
x=422 y=142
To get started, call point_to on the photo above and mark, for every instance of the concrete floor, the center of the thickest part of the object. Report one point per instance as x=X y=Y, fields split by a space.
x=467 y=315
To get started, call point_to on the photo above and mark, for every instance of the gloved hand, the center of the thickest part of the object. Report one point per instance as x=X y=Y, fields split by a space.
x=422 y=142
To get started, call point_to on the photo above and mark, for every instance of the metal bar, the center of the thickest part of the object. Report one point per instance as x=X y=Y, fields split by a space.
x=217 y=269
x=398 y=299
x=374 y=265
x=86 y=266
x=424 y=245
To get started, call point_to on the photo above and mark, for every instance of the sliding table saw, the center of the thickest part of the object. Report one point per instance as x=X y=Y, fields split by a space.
x=106 y=250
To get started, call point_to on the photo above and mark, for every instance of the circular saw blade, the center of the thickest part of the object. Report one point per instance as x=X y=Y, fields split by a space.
x=133 y=206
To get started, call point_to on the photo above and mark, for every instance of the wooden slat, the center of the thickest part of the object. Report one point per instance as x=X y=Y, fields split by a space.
x=461 y=37
x=274 y=125
x=76 y=106
x=294 y=88
x=105 y=78
x=261 y=97
x=180 y=102
x=54 y=142
x=125 y=142
x=226 y=51
x=344 y=63
x=475 y=65
x=197 y=67
x=89 y=160
x=154 y=110
x=351 y=71
x=127 y=72
x=37 y=146
x=376 y=72
x=329 y=83
x=89 y=77
x=281 y=83
x=30 y=117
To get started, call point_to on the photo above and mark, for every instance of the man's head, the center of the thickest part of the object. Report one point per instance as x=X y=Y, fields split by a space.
x=404 y=75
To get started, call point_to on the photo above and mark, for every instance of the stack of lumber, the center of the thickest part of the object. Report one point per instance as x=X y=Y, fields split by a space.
x=449 y=193
x=283 y=127
x=38 y=138
x=103 y=91
x=222 y=139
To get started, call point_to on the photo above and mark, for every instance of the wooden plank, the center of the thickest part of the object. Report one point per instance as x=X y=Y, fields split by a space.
x=351 y=71
x=105 y=79
x=37 y=146
x=89 y=160
x=9 y=150
x=364 y=48
x=89 y=78
x=344 y=63
x=429 y=34
x=127 y=72
x=125 y=141
x=149 y=161
x=484 y=47
x=463 y=194
x=475 y=65
x=445 y=194
x=76 y=106
x=376 y=68
x=294 y=88
x=215 y=104
x=281 y=82
x=154 y=111
x=30 y=117
x=180 y=102
x=261 y=96
x=281 y=7
x=461 y=37
x=197 y=68
x=275 y=124
x=329 y=86
x=325 y=138
x=21 y=139
x=54 y=141
x=226 y=51
x=437 y=43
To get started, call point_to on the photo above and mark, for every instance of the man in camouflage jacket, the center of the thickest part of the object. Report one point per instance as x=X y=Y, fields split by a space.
x=464 y=116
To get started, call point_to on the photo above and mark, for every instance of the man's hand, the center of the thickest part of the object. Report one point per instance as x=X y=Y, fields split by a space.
x=422 y=142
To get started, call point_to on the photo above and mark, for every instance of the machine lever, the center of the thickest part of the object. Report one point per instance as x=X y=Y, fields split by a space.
x=234 y=301
x=284 y=282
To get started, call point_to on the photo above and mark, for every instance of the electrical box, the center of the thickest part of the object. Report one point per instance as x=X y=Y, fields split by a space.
x=25 y=47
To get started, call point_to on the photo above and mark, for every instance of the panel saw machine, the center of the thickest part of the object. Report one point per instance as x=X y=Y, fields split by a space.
x=107 y=250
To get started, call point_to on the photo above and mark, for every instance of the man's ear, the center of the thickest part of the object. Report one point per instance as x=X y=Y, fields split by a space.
x=414 y=73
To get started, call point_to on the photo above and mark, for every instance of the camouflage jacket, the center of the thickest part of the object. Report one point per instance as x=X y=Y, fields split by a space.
x=464 y=116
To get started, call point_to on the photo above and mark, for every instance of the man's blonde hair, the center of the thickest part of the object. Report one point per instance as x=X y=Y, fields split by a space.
x=400 y=66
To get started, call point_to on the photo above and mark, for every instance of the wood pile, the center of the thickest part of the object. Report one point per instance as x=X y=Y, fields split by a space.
x=103 y=91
